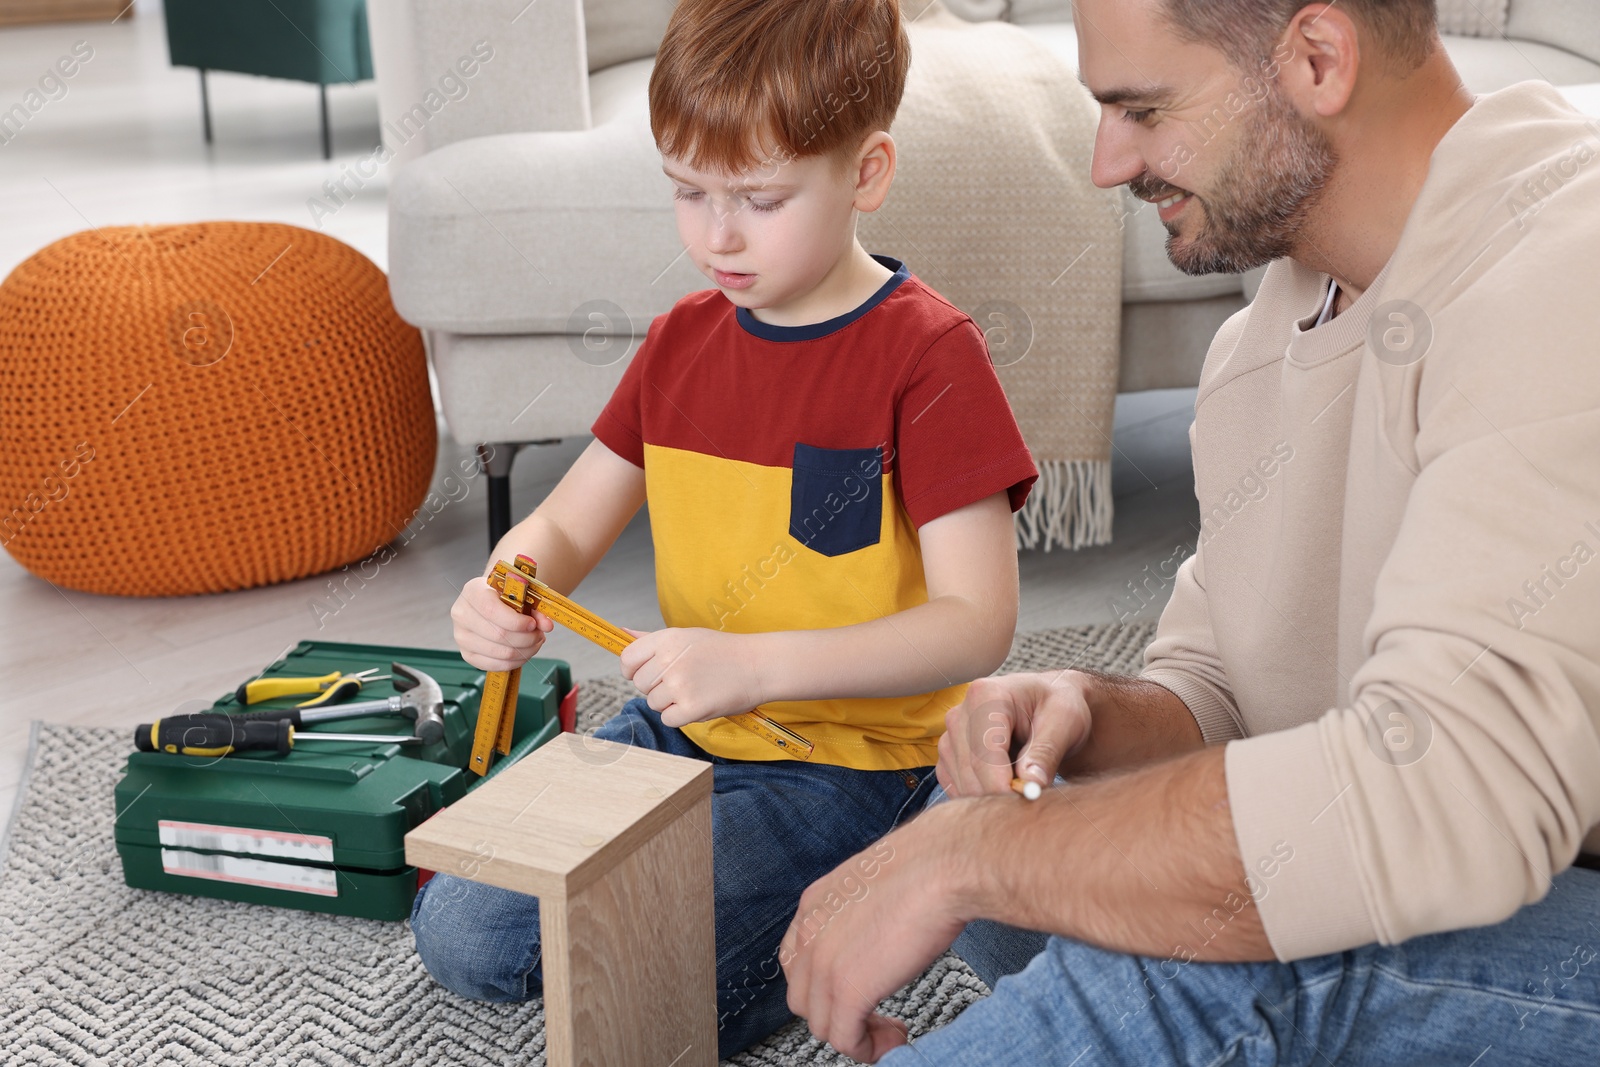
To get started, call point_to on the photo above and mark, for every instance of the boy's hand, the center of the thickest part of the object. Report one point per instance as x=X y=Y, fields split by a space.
x=492 y=635
x=691 y=674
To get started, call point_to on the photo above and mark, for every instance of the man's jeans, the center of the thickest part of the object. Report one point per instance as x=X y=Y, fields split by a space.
x=1524 y=992
x=776 y=827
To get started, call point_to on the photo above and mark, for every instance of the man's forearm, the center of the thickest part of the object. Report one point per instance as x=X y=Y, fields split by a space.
x=1132 y=722
x=1144 y=862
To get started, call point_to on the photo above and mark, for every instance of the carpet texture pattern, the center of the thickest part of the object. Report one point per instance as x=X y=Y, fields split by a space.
x=94 y=973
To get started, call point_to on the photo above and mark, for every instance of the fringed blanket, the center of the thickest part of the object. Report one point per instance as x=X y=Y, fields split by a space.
x=993 y=207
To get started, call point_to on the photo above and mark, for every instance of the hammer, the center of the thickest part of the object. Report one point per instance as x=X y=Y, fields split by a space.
x=423 y=702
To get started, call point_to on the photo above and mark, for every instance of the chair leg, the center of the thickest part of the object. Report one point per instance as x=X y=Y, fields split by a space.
x=327 y=142
x=496 y=460
x=499 y=508
x=205 y=106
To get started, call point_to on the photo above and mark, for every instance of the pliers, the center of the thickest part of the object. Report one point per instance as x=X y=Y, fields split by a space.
x=330 y=688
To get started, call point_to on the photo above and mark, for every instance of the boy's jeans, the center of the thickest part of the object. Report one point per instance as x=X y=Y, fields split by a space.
x=776 y=827
x=1524 y=992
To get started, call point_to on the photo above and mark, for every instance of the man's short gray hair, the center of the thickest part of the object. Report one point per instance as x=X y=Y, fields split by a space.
x=1247 y=30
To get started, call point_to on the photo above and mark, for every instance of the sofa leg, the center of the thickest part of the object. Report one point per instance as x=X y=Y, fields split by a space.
x=327 y=141
x=205 y=106
x=499 y=508
x=495 y=461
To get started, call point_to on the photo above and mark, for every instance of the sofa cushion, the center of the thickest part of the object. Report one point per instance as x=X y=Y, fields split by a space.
x=514 y=233
x=617 y=31
x=1488 y=65
x=621 y=93
x=1473 y=18
x=1567 y=24
x=1023 y=12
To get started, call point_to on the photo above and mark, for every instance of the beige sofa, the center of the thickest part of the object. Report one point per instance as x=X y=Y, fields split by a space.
x=530 y=236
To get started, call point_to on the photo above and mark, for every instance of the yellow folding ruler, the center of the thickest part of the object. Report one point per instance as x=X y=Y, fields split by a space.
x=519 y=586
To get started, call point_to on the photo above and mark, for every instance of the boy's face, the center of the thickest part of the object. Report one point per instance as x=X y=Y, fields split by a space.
x=768 y=236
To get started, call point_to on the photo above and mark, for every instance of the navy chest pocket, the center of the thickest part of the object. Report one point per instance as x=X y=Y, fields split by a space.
x=836 y=498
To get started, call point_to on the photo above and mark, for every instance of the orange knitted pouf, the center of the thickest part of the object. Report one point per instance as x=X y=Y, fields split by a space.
x=205 y=407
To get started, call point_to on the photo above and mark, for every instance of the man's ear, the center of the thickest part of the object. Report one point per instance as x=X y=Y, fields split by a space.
x=874 y=171
x=1321 y=59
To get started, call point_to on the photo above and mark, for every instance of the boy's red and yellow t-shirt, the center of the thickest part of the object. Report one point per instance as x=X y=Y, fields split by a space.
x=787 y=471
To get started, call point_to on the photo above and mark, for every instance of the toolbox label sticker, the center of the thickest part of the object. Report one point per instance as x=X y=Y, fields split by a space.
x=304 y=847
x=263 y=873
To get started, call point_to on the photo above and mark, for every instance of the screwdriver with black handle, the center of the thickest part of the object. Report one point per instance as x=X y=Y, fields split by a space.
x=210 y=734
x=299 y=716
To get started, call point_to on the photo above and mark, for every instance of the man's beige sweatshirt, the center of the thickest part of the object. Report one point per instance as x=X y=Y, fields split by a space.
x=1393 y=613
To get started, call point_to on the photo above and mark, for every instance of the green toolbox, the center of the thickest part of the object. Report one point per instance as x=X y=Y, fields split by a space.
x=322 y=825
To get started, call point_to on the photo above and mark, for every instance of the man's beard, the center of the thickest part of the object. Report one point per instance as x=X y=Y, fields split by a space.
x=1264 y=192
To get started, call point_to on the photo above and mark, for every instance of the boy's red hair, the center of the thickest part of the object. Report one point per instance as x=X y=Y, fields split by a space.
x=746 y=83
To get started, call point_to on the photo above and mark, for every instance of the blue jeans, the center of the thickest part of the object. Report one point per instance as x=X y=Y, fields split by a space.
x=776 y=827
x=1526 y=991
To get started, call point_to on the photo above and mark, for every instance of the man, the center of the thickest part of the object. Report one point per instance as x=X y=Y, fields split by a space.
x=1335 y=819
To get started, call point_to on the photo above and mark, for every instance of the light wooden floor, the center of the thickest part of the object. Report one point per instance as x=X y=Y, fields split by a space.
x=123 y=146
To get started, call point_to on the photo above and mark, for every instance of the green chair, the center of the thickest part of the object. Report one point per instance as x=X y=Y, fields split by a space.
x=321 y=41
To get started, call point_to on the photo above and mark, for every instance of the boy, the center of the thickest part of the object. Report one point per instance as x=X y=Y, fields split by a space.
x=831 y=467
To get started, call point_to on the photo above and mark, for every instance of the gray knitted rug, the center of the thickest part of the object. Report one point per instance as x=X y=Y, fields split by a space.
x=92 y=972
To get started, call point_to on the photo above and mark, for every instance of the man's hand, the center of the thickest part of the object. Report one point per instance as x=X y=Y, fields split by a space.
x=869 y=927
x=1028 y=721
x=492 y=635
x=691 y=674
